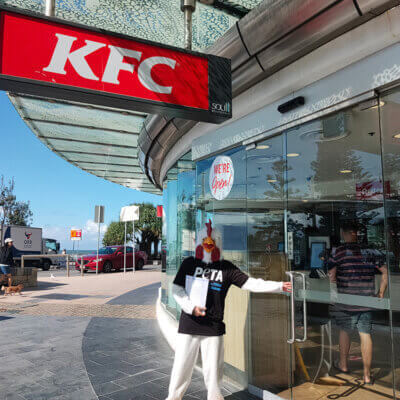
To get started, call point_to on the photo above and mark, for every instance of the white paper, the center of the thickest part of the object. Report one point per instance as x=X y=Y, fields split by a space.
x=196 y=289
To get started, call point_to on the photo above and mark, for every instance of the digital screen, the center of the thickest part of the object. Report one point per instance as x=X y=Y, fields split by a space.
x=317 y=248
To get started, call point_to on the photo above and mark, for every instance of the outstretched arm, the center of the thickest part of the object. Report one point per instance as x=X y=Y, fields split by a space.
x=261 y=286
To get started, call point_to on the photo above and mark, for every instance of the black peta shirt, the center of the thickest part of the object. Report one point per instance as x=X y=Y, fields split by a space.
x=221 y=275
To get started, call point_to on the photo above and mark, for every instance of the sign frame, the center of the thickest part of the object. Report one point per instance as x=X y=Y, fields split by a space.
x=78 y=235
x=129 y=213
x=219 y=90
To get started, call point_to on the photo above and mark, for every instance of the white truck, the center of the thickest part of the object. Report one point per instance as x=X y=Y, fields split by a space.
x=29 y=240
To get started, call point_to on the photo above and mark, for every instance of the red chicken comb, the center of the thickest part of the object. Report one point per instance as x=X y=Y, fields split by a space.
x=209 y=228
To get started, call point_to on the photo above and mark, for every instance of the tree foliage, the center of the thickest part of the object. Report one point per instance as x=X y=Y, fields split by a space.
x=147 y=230
x=115 y=234
x=13 y=212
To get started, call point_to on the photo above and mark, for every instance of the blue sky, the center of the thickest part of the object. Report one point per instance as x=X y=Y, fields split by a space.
x=61 y=195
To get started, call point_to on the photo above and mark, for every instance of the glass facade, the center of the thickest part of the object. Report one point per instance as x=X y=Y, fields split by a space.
x=294 y=200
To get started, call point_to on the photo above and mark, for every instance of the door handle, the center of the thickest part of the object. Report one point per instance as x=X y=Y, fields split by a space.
x=292 y=339
x=303 y=278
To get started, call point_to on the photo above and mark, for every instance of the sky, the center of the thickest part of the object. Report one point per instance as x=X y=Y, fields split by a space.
x=61 y=195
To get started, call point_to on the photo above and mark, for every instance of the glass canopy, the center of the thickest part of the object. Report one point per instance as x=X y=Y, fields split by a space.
x=99 y=140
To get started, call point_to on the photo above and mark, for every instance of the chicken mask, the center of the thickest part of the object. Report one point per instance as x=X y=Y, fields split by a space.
x=207 y=249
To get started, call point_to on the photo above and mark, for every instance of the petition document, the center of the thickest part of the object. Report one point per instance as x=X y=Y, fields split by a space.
x=196 y=289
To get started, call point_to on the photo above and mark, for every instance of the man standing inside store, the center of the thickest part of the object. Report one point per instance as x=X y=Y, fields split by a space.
x=203 y=327
x=353 y=267
x=6 y=260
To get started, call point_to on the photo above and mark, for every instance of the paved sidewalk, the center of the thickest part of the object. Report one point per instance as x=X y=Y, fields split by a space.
x=95 y=347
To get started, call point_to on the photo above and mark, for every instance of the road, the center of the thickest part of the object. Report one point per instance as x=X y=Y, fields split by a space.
x=73 y=272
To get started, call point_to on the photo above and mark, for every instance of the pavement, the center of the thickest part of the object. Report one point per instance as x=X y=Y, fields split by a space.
x=91 y=337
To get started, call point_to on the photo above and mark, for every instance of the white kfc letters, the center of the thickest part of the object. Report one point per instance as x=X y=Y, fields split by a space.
x=116 y=62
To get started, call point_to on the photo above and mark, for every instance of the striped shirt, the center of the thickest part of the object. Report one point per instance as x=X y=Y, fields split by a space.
x=356 y=267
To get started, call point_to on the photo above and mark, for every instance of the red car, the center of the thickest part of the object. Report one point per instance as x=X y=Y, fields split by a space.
x=112 y=257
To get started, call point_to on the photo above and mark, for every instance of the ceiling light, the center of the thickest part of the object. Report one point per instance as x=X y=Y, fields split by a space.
x=262 y=146
x=346 y=171
x=397 y=136
x=305 y=201
x=381 y=103
x=271 y=180
x=293 y=154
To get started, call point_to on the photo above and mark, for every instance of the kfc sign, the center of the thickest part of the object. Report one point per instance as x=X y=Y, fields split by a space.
x=221 y=178
x=76 y=234
x=51 y=58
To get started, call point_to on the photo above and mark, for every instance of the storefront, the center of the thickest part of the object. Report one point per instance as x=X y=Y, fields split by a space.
x=292 y=182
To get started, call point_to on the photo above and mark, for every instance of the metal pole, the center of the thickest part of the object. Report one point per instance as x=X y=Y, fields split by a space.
x=81 y=265
x=98 y=244
x=125 y=250
x=50 y=8
x=22 y=262
x=188 y=7
x=133 y=246
x=67 y=265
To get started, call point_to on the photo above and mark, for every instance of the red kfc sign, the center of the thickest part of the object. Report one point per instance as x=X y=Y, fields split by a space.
x=51 y=58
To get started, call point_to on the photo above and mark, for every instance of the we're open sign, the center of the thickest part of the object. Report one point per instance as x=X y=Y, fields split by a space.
x=221 y=177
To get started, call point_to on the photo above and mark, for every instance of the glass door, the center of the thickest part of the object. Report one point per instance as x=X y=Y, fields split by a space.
x=269 y=356
x=336 y=250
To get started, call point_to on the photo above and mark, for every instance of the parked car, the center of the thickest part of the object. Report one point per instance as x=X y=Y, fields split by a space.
x=112 y=257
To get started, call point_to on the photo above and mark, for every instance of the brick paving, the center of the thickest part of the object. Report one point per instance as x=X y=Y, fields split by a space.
x=82 y=310
x=94 y=344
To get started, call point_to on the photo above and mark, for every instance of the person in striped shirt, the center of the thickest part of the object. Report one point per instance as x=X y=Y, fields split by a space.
x=353 y=266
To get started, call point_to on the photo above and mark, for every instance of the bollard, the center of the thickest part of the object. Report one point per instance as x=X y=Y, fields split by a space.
x=22 y=262
x=67 y=266
x=82 y=266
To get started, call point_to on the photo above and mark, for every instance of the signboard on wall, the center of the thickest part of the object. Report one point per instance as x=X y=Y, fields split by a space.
x=76 y=234
x=373 y=190
x=221 y=177
x=52 y=58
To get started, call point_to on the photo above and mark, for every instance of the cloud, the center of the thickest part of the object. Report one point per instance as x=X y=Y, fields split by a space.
x=89 y=234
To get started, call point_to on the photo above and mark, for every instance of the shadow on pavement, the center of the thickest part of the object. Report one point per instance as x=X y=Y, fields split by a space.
x=61 y=296
x=44 y=286
x=2 y=318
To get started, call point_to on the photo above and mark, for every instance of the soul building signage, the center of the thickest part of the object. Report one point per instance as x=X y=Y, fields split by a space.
x=48 y=57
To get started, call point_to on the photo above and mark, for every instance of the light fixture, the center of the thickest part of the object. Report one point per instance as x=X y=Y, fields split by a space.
x=397 y=136
x=346 y=171
x=380 y=104
x=262 y=146
x=292 y=154
x=305 y=201
x=271 y=180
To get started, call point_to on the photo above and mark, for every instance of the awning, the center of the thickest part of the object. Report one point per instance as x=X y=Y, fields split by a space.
x=99 y=140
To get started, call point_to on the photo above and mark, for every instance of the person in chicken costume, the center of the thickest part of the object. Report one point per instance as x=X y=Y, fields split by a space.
x=203 y=327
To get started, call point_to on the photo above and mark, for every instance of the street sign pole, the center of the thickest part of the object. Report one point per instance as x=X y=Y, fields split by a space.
x=127 y=214
x=133 y=246
x=125 y=250
x=99 y=218
x=98 y=244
